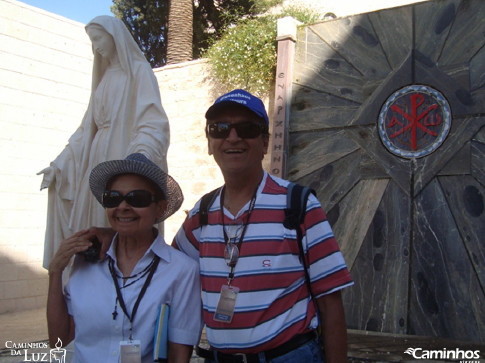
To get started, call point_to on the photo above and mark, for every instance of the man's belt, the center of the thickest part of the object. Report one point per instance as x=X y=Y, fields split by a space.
x=294 y=343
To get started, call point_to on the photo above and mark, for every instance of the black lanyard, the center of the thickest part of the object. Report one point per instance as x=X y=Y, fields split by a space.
x=232 y=265
x=131 y=318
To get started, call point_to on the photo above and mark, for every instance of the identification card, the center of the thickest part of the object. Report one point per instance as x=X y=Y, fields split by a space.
x=130 y=351
x=226 y=304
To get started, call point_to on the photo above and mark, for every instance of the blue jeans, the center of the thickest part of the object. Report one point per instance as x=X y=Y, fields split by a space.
x=307 y=353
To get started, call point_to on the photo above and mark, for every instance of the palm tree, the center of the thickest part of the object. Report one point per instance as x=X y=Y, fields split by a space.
x=180 y=31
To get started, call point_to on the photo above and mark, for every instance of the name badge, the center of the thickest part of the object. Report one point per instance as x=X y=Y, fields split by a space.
x=226 y=304
x=130 y=351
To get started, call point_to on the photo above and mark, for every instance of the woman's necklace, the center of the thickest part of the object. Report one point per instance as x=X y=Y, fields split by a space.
x=136 y=276
x=119 y=297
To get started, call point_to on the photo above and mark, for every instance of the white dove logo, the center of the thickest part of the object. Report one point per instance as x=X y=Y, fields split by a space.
x=410 y=351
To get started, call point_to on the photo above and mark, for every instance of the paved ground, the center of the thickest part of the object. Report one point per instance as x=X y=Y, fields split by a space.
x=380 y=347
x=30 y=327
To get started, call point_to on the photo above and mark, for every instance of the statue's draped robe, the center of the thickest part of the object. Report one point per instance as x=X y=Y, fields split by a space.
x=124 y=116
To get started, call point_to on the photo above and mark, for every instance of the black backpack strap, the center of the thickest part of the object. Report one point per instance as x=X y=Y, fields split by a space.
x=205 y=203
x=296 y=201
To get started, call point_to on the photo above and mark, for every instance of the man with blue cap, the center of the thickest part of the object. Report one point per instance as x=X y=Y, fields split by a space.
x=257 y=306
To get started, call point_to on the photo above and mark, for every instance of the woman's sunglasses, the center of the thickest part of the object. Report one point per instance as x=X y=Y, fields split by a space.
x=135 y=198
x=245 y=130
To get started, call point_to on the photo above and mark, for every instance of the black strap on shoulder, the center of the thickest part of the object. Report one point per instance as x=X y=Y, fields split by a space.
x=205 y=203
x=296 y=201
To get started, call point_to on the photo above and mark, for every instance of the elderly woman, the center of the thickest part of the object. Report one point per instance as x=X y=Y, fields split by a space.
x=124 y=116
x=111 y=305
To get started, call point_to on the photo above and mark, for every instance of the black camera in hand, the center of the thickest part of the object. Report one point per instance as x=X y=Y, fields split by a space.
x=92 y=253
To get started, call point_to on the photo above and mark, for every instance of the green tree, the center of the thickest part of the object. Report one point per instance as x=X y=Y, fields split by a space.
x=212 y=18
x=148 y=22
x=245 y=55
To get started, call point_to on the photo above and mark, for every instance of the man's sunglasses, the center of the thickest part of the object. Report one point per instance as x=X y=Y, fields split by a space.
x=135 y=198
x=245 y=130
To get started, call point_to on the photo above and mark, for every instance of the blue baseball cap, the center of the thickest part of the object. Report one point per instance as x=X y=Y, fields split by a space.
x=241 y=97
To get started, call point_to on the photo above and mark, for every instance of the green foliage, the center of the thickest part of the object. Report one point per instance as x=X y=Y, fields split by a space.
x=147 y=21
x=213 y=17
x=262 y=6
x=245 y=56
x=303 y=14
x=241 y=43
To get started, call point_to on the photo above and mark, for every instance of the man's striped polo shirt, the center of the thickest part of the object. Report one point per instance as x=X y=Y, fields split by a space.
x=273 y=304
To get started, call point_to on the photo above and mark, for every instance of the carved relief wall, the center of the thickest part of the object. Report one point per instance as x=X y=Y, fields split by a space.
x=386 y=123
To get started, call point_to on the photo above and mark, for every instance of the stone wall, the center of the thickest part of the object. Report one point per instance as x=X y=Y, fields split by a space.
x=45 y=78
x=186 y=94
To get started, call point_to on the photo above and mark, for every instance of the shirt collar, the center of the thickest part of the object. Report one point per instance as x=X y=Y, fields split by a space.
x=245 y=207
x=158 y=247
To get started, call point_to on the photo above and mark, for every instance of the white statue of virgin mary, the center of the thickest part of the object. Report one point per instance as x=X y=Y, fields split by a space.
x=124 y=116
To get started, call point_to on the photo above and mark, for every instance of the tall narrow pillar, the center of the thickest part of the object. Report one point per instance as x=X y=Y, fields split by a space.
x=286 y=38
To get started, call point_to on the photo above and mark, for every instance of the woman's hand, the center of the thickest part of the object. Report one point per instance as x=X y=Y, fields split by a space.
x=78 y=242
x=104 y=236
x=49 y=176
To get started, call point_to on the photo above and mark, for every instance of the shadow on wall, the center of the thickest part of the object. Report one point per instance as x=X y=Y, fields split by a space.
x=22 y=287
x=404 y=224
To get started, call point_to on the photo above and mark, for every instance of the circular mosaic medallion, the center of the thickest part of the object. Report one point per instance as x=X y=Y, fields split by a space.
x=414 y=121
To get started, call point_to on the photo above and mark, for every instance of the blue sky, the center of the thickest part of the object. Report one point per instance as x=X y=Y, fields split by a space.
x=79 y=10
